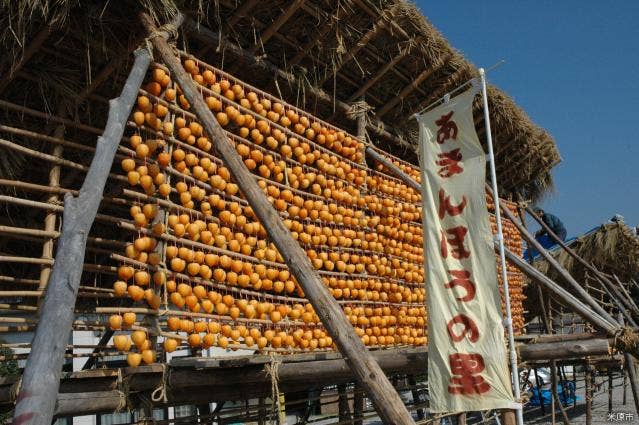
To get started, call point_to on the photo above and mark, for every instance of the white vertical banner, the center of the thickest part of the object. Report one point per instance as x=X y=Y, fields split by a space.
x=467 y=362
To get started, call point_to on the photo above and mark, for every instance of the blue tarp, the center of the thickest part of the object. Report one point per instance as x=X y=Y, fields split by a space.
x=565 y=391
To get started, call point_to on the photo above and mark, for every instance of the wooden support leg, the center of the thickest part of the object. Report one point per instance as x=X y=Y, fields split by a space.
x=204 y=410
x=610 y=381
x=541 y=400
x=625 y=386
x=261 y=411
x=51 y=218
x=588 y=395
x=555 y=394
x=358 y=404
x=389 y=405
x=632 y=376
x=417 y=399
x=508 y=417
x=41 y=378
x=343 y=408
x=461 y=418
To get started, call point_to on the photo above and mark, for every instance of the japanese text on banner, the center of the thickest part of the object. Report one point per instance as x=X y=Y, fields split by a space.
x=467 y=363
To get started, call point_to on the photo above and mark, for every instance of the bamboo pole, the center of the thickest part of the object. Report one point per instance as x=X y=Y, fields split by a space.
x=40 y=380
x=393 y=169
x=51 y=218
x=368 y=372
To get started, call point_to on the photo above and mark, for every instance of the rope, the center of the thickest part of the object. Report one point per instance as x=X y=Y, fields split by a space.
x=159 y=394
x=626 y=338
x=15 y=390
x=168 y=31
x=272 y=370
x=123 y=392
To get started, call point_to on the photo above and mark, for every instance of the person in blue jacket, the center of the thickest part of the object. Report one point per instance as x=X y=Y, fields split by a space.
x=553 y=222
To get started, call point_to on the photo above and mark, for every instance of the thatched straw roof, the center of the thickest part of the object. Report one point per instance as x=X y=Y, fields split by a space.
x=613 y=248
x=382 y=51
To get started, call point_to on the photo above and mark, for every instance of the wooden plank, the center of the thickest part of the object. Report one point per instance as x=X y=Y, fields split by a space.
x=266 y=35
x=409 y=88
x=368 y=372
x=381 y=72
x=28 y=53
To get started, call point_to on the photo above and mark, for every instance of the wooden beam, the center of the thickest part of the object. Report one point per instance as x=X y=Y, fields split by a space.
x=266 y=35
x=359 y=45
x=408 y=89
x=31 y=50
x=41 y=379
x=394 y=169
x=241 y=12
x=389 y=404
x=328 y=26
x=396 y=29
x=381 y=72
x=104 y=340
x=440 y=91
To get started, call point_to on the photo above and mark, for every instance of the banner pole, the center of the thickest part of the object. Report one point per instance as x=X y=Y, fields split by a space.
x=502 y=255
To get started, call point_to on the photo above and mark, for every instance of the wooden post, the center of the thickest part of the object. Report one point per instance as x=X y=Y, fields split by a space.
x=588 y=394
x=41 y=378
x=555 y=394
x=508 y=417
x=610 y=380
x=632 y=375
x=625 y=386
x=461 y=418
x=51 y=218
x=343 y=409
x=261 y=411
x=629 y=362
x=541 y=400
x=358 y=404
x=417 y=397
x=387 y=402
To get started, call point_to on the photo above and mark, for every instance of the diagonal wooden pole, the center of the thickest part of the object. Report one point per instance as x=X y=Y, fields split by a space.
x=606 y=283
x=387 y=402
x=574 y=285
x=41 y=378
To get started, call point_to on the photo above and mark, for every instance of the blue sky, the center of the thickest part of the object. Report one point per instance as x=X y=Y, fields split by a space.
x=573 y=66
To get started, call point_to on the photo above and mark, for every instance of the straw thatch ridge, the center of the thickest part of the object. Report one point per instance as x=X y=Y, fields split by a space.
x=55 y=49
x=613 y=248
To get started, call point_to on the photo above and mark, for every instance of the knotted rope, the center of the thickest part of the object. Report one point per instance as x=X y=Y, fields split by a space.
x=122 y=388
x=15 y=390
x=272 y=370
x=626 y=339
x=159 y=394
x=168 y=31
